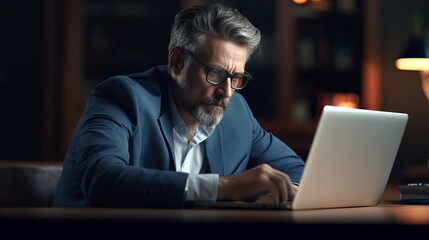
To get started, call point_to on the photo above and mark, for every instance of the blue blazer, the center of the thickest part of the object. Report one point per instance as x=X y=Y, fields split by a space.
x=121 y=153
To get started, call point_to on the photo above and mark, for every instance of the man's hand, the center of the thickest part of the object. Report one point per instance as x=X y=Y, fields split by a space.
x=261 y=181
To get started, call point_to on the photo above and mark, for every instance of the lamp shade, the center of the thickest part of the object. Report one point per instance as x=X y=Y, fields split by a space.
x=415 y=55
x=416 y=48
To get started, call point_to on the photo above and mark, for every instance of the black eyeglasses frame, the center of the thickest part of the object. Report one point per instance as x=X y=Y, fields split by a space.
x=246 y=77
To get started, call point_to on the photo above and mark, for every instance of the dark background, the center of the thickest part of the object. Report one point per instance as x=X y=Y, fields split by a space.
x=122 y=38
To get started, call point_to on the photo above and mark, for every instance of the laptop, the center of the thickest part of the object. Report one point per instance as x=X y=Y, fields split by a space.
x=349 y=162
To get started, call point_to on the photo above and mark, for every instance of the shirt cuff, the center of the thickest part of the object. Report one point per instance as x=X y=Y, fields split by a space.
x=202 y=187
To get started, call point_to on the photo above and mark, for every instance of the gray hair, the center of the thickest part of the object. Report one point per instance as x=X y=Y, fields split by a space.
x=192 y=25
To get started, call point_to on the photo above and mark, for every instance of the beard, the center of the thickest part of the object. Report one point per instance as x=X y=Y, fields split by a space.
x=208 y=112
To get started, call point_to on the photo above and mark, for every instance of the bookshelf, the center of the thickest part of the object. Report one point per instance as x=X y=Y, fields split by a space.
x=127 y=36
x=308 y=53
x=329 y=56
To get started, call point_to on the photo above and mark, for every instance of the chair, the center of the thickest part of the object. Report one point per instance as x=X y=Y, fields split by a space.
x=28 y=184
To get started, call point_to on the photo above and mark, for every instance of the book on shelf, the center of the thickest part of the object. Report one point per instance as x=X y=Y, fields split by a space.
x=314 y=52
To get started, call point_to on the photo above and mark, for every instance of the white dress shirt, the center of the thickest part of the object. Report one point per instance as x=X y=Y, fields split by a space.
x=189 y=157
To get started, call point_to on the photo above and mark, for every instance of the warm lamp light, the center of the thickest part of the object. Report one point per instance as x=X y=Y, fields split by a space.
x=413 y=64
x=350 y=100
x=300 y=1
x=416 y=58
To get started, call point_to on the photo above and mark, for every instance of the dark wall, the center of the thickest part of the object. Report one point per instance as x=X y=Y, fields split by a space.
x=21 y=64
x=401 y=89
x=20 y=79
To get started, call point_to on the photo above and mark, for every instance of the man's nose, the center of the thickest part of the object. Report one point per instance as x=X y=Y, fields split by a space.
x=225 y=88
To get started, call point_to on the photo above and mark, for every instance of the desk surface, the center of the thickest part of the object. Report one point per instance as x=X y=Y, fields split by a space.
x=381 y=214
x=388 y=213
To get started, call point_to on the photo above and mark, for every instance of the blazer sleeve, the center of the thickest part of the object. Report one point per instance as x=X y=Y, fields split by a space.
x=118 y=155
x=267 y=148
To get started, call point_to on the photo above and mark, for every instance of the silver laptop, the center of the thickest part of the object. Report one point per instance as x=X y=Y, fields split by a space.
x=349 y=163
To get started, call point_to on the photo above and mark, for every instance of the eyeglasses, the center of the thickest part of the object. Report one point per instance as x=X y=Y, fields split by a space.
x=217 y=76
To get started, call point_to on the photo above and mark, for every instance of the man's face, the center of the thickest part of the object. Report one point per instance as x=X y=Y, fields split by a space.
x=199 y=100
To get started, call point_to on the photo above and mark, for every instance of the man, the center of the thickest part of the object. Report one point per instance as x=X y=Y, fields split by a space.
x=180 y=132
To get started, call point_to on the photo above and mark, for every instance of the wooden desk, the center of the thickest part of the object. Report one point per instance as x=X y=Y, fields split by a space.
x=381 y=214
x=388 y=216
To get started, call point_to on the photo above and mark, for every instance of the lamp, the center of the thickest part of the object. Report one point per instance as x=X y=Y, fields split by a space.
x=415 y=57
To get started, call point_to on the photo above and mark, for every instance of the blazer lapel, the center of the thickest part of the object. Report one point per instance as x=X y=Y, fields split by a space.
x=164 y=120
x=214 y=151
x=164 y=123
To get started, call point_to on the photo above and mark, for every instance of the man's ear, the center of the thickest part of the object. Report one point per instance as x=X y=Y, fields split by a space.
x=175 y=61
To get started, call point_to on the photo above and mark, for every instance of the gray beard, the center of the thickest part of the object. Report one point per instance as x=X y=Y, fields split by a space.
x=206 y=119
x=200 y=115
x=197 y=112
